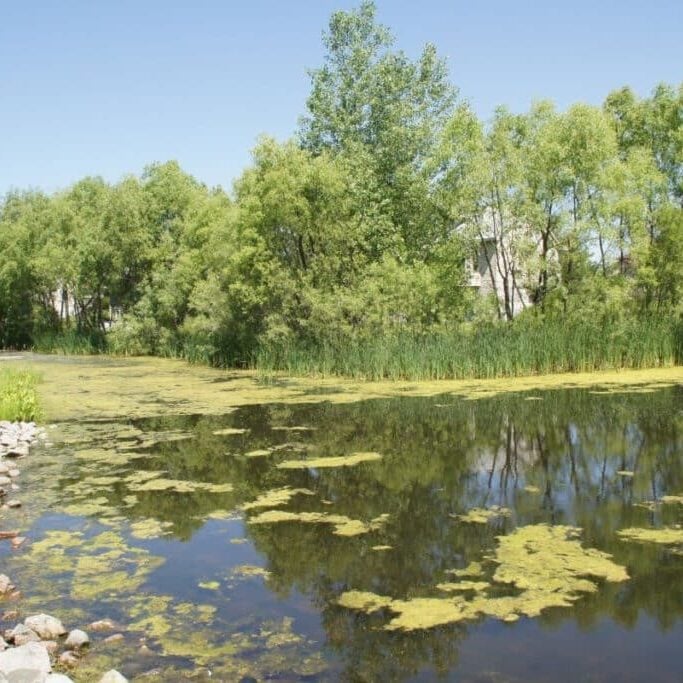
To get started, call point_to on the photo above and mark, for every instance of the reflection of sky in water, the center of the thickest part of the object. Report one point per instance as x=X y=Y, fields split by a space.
x=550 y=461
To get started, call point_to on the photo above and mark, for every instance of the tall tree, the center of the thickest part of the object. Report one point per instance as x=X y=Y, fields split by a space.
x=371 y=102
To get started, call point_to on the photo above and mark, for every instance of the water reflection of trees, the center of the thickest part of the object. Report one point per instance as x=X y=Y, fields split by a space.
x=551 y=460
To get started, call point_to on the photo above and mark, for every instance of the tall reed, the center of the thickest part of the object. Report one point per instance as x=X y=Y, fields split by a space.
x=524 y=347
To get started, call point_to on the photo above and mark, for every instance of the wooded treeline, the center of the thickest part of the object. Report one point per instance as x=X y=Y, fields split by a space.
x=363 y=228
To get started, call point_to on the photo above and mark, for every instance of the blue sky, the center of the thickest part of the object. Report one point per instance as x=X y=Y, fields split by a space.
x=104 y=87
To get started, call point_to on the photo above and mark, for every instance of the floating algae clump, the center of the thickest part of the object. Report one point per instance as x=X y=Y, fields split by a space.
x=472 y=569
x=551 y=559
x=246 y=570
x=209 y=585
x=275 y=498
x=334 y=461
x=180 y=486
x=91 y=568
x=547 y=564
x=343 y=526
x=462 y=586
x=665 y=536
x=483 y=515
x=149 y=528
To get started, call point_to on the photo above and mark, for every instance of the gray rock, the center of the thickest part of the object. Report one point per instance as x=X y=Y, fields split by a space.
x=29 y=663
x=5 y=583
x=22 y=634
x=45 y=626
x=102 y=625
x=77 y=639
x=68 y=659
x=58 y=678
x=51 y=646
x=14 y=473
x=113 y=676
x=115 y=638
x=5 y=481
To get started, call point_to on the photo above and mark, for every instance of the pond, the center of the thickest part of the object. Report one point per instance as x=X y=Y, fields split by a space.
x=530 y=535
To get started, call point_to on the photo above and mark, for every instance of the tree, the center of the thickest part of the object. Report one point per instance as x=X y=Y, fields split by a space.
x=372 y=103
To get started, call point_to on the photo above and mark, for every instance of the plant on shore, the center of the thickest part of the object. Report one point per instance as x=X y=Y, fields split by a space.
x=18 y=396
x=523 y=347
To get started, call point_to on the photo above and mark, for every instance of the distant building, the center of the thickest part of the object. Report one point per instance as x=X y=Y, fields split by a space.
x=496 y=269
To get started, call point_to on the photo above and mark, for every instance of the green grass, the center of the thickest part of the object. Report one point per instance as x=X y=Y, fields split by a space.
x=18 y=396
x=69 y=342
x=524 y=347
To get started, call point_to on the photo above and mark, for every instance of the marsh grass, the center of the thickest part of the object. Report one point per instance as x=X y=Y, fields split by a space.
x=18 y=396
x=70 y=342
x=524 y=347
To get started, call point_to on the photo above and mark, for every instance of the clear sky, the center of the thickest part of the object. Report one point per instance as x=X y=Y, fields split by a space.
x=104 y=87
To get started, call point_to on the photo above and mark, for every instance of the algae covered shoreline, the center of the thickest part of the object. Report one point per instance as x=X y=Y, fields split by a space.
x=97 y=387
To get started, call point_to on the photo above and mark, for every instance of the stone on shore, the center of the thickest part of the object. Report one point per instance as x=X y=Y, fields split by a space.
x=5 y=583
x=77 y=639
x=46 y=626
x=23 y=634
x=28 y=663
x=68 y=659
x=113 y=676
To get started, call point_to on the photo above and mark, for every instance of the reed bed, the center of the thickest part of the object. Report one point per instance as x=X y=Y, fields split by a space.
x=497 y=350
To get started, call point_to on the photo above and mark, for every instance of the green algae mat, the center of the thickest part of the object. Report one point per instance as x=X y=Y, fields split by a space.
x=235 y=528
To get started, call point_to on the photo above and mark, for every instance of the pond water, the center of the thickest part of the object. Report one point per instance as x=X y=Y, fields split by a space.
x=392 y=539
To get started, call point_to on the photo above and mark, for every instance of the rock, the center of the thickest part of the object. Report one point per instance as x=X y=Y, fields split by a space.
x=115 y=638
x=13 y=473
x=29 y=663
x=3 y=645
x=5 y=583
x=22 y=634
x=58 y=678
x=51 y=646
x=45 y=626
x=102 y=625
x=113 y=676
x=10 y=615
x=5 y=481
x=68 y=659
x=13 y=503
x=16 y=542
x=4 y=469
x=77 y=639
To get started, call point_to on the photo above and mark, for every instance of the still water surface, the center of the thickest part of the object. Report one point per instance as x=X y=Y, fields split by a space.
x=166 y=526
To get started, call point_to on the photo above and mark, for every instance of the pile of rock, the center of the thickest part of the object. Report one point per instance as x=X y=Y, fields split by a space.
x=15 y=441
x=29 y=648
x=16 y=438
